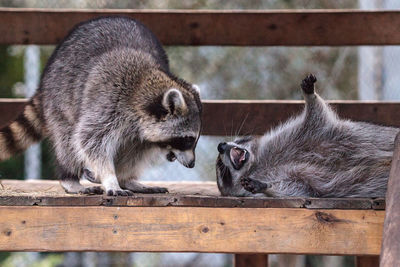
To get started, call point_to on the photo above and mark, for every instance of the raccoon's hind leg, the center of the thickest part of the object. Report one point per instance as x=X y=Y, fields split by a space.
x=137 y=187
x=317 y=112
x=88 y=175
x=71 y=185
x=307 y=84
x=254 y=186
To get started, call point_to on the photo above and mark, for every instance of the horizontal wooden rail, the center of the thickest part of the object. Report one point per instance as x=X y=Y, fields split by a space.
x=241 y=117
x=191 y=229
x=222 y=27
x=40 y=216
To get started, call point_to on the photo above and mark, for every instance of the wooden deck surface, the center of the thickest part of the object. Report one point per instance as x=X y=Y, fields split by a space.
x=39 y=216
x=181 y=194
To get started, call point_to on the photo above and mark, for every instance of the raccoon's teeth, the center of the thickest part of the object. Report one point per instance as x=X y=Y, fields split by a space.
x=243 y=156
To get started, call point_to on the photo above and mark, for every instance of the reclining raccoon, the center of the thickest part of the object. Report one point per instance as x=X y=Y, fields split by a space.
x=315 y=154
x=109 y=104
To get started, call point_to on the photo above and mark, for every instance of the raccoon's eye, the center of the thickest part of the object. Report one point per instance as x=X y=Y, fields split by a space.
x=243 y=140
x=182 y=143
x=179 y=143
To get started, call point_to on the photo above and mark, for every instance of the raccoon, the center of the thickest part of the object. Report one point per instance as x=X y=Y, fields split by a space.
x=315 y=154
x=109 y=105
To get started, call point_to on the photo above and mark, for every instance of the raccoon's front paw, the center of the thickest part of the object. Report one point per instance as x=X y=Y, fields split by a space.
x=94 y=190
x=254 y=186
x=119 y=192
x=307 y=85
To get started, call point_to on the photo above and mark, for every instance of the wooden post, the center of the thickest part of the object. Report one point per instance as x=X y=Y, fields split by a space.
x=390 y=255
x=253 y=260
x=367 y=261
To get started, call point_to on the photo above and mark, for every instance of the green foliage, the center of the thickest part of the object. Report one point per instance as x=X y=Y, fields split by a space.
x=11 y=70
x=45 y=260
x=12 y=168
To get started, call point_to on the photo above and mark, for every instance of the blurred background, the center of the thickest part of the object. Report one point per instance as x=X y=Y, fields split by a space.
x=344 y=73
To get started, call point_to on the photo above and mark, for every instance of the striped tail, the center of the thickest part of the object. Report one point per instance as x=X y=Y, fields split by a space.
x=24 y=131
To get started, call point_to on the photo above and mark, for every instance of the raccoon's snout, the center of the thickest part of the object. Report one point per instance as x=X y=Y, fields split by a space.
x=222 y=147
x=186 y=158
x=191 y=164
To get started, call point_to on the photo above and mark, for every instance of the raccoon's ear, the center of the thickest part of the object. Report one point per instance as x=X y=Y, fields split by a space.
x=174 y=102
x=196 y=87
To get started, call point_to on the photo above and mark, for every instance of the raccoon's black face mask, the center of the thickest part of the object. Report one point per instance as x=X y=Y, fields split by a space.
x=237 y=156
x=232 y=163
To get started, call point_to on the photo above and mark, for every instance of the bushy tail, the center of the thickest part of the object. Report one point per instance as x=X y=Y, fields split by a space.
x=24 y=131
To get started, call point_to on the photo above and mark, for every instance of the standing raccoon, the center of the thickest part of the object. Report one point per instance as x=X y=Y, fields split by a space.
x=315 y=154
x=109 y=104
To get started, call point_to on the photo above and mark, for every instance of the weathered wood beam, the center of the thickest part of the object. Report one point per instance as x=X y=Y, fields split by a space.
x=216 y=27
x=227 y=117
x=183 y=229
x=391 y=232
x=181 y=194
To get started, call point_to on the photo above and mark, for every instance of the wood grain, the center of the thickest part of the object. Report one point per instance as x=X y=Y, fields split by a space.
x=182 y=194
x=212 y=27
x=226 y=117
x=391 y=234
x=189 y=229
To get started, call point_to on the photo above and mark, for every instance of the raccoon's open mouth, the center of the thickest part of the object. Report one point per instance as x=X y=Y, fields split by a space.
x=171 y=156
x=238 y=157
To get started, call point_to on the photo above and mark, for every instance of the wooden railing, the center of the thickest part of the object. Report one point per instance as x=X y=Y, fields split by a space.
x=205 y=222
x=206 y=27
x=242 y=117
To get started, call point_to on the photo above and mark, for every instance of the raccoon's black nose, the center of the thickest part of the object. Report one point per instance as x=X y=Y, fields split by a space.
x=222 y=147
x=191 y=164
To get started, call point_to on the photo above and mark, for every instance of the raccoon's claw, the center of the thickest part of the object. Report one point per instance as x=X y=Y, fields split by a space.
x=307 y=85
x=120 y=192
x=254 y=186
x=94 y=190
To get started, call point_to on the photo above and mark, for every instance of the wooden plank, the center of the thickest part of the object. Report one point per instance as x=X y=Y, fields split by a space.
x=215 y=27
x=227 y=117
x=253 y=260
x=182 y=194
x=367 y=261
x=391 y=234
x=183 y=229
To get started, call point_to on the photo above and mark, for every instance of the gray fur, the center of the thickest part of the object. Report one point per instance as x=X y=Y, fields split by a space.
x=110 y=105
x=315 y=154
